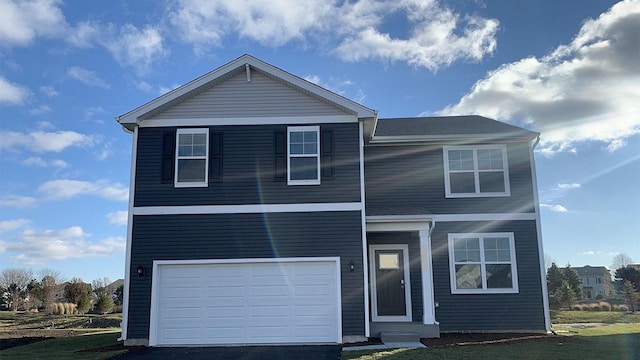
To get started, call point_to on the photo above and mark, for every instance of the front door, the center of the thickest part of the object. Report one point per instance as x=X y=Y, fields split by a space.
x=390 y=282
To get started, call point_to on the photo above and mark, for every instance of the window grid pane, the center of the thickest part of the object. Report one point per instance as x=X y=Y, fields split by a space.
x=476 y=171
x=303 y=143
x=494 y=271
x=191 y=157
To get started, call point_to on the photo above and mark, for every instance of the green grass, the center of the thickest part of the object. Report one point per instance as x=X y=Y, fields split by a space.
x=68 y=348
x=10 y=320
x=620 y=341
x=607 y=317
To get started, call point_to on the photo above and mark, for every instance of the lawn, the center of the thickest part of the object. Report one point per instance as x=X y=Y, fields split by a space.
x=100 y=345
x=618 y=341
x=606 y=317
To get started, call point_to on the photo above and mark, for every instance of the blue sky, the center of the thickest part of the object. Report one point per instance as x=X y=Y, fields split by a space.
x=567 y=69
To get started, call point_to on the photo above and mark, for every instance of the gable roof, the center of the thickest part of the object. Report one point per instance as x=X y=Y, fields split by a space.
x=244 y=63
x=446 y=127
x=591 y=270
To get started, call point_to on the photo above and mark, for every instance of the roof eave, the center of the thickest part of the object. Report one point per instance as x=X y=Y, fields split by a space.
x=453 y=137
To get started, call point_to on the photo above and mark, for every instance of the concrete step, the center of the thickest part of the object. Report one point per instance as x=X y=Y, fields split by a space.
x=399 y=337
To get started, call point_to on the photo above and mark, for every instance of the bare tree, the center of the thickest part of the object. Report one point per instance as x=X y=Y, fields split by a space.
x=621 y=260
x=45 y=289
x=548 y=260
x=15 y=281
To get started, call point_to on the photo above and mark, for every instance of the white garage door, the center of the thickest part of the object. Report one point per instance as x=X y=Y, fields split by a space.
x=246 y=302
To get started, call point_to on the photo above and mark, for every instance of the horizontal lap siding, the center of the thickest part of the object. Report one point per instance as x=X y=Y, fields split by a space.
x=248 y=170
x=262 y=97
x=415 y=274
x=413 y=177
x=233 y=236
x=462 y=312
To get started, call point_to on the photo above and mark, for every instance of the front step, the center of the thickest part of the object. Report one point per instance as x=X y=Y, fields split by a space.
x=399 y=337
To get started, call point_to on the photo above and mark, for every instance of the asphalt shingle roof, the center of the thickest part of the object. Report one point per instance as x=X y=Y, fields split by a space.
x=470 y=125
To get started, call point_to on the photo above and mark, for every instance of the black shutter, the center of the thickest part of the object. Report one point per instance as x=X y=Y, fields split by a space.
x=327 y=154
x=215 y=157
x=280 y=156
x=168 y=158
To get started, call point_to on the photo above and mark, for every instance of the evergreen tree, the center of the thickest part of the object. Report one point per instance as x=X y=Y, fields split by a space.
x=104 y=303
x=565 y=294
x=574 y=281
x=554 y=278
x=79 y=293
x=630 y=294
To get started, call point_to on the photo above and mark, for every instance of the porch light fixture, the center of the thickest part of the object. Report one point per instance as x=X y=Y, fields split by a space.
x=140 y=271
x=352 y=266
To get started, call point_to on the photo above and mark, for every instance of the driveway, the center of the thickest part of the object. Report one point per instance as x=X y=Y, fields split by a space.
x=309 y=352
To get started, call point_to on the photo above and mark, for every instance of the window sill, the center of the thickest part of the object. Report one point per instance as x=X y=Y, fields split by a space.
x=471 y=195
x=190 y=185
x=483 y=291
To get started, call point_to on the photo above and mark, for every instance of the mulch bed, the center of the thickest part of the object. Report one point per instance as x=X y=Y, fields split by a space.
x=462 y=339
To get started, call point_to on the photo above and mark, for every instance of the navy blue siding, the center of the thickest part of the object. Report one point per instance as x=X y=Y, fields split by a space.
x=412 y=177
x=464 y=312
x=248 y=170
x=415 y=274
x=229 y=236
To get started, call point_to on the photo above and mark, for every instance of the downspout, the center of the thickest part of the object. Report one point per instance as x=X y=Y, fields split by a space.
x=543 y=277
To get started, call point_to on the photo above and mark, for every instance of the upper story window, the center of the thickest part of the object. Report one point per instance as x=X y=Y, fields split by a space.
x=599 y=280
x=303 y=155
x=482 y=263
x=192 y=158
x=476 y=171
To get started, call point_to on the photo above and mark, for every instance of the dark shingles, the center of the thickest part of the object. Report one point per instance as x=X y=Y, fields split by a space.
x=472 y=125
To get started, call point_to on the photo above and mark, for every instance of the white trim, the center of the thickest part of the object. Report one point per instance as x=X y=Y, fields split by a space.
x=246 y=209
x=365 y=259
x=485 y=217
x=426 y=269
x=397 y=226
x=407 y=283
x=127 y=265
x=388 y=139
x=476 y=171
x=482 y=263
x=279 y=120
x=543 y=272
x=153 y=336
x=303 y=129
x=178 y=157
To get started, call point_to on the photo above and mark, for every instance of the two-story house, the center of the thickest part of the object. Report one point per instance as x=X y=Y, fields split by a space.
x=265 y=209
x=596 y=281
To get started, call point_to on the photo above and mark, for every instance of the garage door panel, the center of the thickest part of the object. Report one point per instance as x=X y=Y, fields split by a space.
x=247 y=302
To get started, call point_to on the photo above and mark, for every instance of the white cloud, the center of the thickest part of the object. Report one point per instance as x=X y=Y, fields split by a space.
x=144 y=86
x=555 y=208
x=36 y=247
x=586 y=90
x=40 y=162
x=17 y=201
x=66 y=189
x=12 y=94
x=566 y=186
x=86 y=77
x=8 y=225
x=119 y=218
x=40 y=110
x=43 y=141
x=165 y=89
x=22 y=21
x=50 y=91
x=137 y=48
x=352 y=30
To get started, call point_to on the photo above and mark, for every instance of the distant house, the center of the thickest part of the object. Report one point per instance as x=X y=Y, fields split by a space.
x=596 y=280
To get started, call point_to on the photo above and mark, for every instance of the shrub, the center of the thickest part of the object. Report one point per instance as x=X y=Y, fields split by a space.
x=620 y=308
x=605 y=306
x=577 y=307
x=104 y=304
x=58 y=308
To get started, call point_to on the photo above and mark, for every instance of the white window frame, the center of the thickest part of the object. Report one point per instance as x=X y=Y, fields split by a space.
x=204 y=183
x=476 y=171
x=291 y=129
x=484 y=290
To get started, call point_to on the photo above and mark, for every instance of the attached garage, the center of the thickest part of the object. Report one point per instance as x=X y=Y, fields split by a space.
x=247 y=301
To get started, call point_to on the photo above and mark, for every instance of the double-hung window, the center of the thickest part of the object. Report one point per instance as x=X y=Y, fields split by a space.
x=482 y=263
x=303 y=155
x=475 y=171
x=192 y=158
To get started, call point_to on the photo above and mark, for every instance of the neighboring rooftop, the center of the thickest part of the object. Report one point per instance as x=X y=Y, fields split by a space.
x=447 y=126
x=591 y=270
